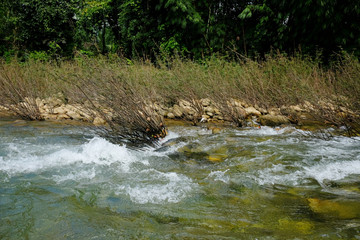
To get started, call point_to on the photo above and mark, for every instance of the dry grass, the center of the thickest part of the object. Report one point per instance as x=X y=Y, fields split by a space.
x=113 y=91
x=18 y=92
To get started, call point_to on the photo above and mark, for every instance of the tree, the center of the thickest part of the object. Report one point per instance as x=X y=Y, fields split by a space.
x=39 y=24
x=92 y=24
x=138 y=28
x=307 y=26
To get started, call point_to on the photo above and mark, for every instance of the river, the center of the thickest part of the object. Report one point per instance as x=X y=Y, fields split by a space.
x=61 y=181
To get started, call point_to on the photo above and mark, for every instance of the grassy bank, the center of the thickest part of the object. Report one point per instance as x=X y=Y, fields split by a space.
x=129 y=87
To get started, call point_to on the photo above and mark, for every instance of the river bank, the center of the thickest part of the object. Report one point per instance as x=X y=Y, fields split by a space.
x=208 y=111
x=134 y=97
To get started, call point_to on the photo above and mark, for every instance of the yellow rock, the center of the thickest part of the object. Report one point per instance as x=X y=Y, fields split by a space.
x=216 y=158
x=214 y=129
x=352 y=189
x=221 y=150
x=218 y=155
x=292 y=191
x=343 y=210
x=303 y=227
x=296 y=191
x=217 y=224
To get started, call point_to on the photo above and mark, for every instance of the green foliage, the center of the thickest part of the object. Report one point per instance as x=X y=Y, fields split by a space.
x=34 y=25
x=92 y=24
x=39 y=56
x=307 y=26
x=172 y=46
x=139 y=28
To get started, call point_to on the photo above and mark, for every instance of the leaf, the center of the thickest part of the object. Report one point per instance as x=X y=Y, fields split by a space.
x=246 y=13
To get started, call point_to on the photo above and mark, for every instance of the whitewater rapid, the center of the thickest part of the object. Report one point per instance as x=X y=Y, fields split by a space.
x=147 y=175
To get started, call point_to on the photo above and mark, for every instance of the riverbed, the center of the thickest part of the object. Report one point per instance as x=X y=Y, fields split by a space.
x=62 y=181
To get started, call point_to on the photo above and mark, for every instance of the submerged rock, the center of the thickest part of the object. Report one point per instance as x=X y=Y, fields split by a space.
x=302 y=227
x=191 y=152
x=216 y=157
x=214 y=129
x=332 y=208
x=218 y=154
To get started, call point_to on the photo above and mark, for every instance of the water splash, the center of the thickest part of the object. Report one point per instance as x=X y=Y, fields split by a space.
x=268 y=131
x=322 y=172
x=333 y=171
x=98 y=151
x=219 y=176
x=99 y=161
x=152 y=186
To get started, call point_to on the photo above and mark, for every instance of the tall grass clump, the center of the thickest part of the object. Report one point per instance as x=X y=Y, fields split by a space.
x=270 y=83
x=23 y=85
x=342 y=107
x=273 y=82
x=113 y=91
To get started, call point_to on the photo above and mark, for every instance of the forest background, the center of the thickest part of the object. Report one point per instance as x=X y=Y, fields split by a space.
x=48 y=29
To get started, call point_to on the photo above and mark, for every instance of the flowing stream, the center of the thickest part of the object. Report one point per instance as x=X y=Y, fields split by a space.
x=59 y=181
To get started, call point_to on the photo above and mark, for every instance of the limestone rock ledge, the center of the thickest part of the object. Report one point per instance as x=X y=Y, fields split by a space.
x=202 y=110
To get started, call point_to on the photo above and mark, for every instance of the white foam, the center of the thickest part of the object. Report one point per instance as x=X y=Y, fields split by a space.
x=100 y=160
x=275 y=175
x=169 y=136
x=219 y=176
x=157 y=187
x=267 y=131
x=333 y=171
x=76 y=175
x=97 y=151
x=101 y=152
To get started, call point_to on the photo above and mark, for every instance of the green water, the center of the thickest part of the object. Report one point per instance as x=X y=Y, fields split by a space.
x=59 y=181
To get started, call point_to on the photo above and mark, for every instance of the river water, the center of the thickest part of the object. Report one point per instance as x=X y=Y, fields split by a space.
x=59 y=181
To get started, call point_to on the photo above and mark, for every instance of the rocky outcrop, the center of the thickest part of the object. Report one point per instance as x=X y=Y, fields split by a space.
x=202 y=110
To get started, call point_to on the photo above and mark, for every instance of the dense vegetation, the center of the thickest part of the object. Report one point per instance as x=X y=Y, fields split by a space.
x=43 y=29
